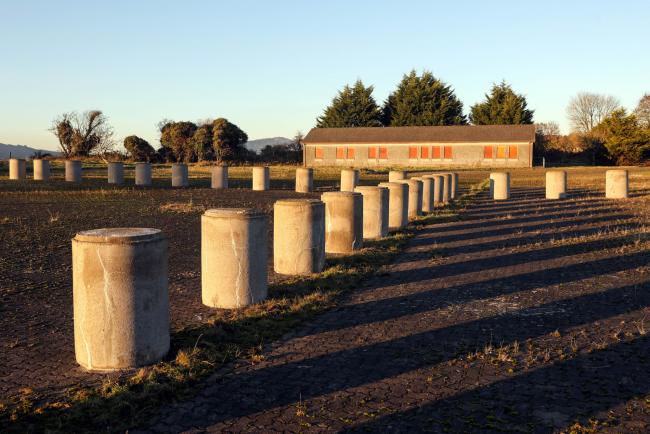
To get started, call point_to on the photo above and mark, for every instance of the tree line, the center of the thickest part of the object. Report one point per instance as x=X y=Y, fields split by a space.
x=422 y=100
x=83 y=134
x=602 y=132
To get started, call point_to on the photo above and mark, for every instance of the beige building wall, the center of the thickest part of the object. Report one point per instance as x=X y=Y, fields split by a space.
x=398 y=154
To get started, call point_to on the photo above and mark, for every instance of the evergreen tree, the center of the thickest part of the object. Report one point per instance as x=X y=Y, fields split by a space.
x=501 y=107
x=177 y=137
x=202 y=143
x=423 y=100
x=352 y=107
x=227 y=139
x=627 y=142
x=139 y=149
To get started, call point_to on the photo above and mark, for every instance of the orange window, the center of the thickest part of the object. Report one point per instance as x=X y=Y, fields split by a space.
x=350 y=153
x=424 y=152
x=448 y=153
x=435 y=152
x=413 y=152
x=512 y=152
x=340 y=153
x=487 y=151
x=501 y=151
x=318 y=153
x=383 y=153
x=372 y=152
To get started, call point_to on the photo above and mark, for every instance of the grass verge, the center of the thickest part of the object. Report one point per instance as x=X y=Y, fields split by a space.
x=120 y=403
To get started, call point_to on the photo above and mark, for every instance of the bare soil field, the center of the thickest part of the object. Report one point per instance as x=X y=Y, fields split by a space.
x=510 y=292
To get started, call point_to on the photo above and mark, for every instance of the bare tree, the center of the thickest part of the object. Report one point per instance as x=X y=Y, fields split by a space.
x=82 y=134
x=642 y=111
x=586 y=110
x=548 y=129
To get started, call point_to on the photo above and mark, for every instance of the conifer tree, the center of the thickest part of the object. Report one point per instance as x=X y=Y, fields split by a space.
x=501 y=107
x=423 y=100
x=352 y=107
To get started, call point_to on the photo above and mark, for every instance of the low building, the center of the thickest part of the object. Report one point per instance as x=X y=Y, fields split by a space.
x=471 y=146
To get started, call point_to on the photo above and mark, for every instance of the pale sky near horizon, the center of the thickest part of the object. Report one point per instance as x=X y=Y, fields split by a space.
x=272 y=67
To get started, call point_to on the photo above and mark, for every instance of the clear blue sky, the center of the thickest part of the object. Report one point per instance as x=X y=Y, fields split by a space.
x=272 y=66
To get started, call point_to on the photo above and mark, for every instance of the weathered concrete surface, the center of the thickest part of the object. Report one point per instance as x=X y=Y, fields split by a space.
x=73 y=171
x=556 y=184
x=115 y=173
x=120 y=297
x=500 y=185
x=396 y=175
x=17 y=169
x=180 y=175
x=415 y=197
x=143 y=174
x=375 y=211
x=234 y=252
x=41 y=170
x=616 y=184
x=454 y=185
x=438 y=190
x=304 y=180
x=298 y=236
x=398 y=204
x=219 y=177
x=343 y=221
x=349 y=179
x=491 y=187
x=427 y=193
x=261 y=178
x=447 y=188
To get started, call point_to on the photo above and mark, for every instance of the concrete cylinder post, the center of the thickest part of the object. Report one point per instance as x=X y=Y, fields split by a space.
x=616 y=184
x=556 y=184
x=41 y=170
x=375 y=211
x=116 y=173
x=343 y=221
x=446 y=192
x=180 y=175
x=438 y=190
x=454 y=185
x=73 y=171
x=415 y=197
x=427 y=193
x=261 y=178
x=396 y=175
x=398 y=204
x=120 y=298
x=304 y=180
x=143 y=174
x=491 y=185
x=500 y=182
x=349 y=179
x=219 y=177
x=234 y=257
x=17 y=169
x=298 y=236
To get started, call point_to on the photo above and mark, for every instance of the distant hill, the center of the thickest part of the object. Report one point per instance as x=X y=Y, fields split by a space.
x=259 y=144
x=20 y=151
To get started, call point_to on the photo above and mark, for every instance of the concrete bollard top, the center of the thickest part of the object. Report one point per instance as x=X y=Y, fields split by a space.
x=234 y=213
x=119 y=235
x=370 y=188
x=334 y=194
x=389 y=184
x=298 y=202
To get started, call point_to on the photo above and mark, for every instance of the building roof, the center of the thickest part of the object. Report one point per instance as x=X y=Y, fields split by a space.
x=465 y=133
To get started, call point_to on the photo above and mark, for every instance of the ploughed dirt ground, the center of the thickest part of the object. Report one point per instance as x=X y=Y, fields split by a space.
x=527 y=315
